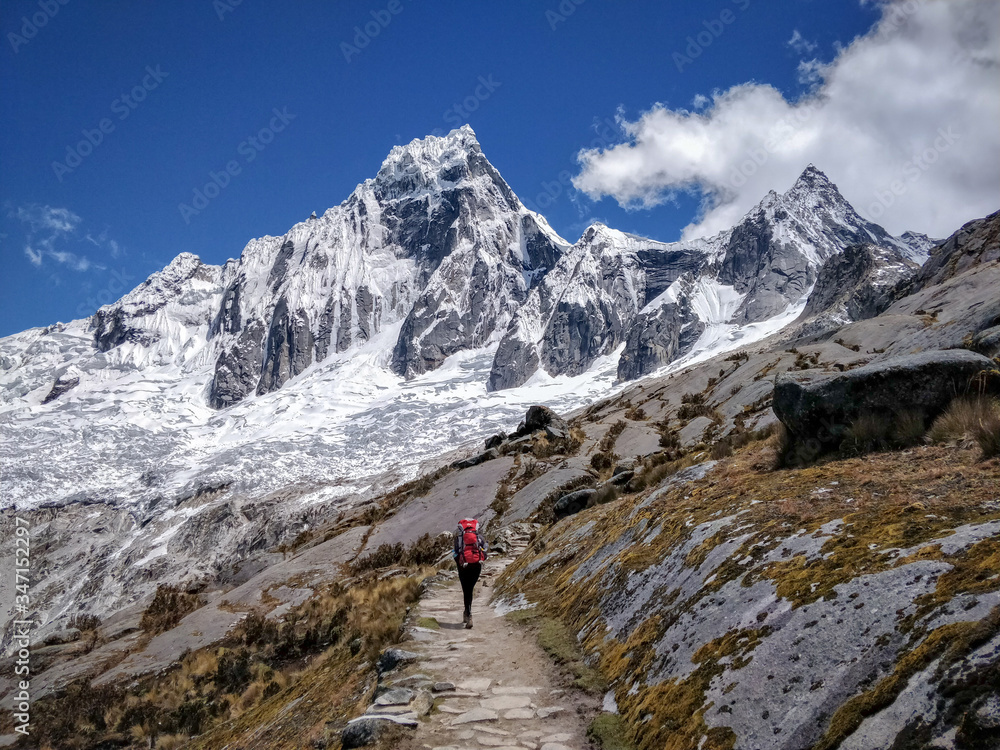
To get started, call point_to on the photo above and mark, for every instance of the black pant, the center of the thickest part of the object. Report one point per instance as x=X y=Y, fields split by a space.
x=468 y=576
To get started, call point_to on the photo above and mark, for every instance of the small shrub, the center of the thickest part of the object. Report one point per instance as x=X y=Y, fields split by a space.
x=805 y=361
x=603 y=461
x=987 y=433
x=607 y=494
x=531 y=469
x=233 y=673
x=84 y=622
x=169 y=606
x=611 y=436
x=636 y=414
x=172 y=741
x=670 y=439
x=426 y=550
x=384 y=556
x=852 y=347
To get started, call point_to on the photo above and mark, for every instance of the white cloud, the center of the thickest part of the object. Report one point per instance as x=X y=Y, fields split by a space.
x=57 y=221
x=700 y=101
x=810 y=72
x=76 y=262
x=46 y=226
x=35 y=256
x=103 y=241
x=903 y=120
x=800 y=44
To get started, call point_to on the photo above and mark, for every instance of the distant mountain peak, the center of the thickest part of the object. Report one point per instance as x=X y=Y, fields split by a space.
x=811 y=180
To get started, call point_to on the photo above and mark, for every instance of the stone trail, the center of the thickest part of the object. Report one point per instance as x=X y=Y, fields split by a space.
x=488 y=687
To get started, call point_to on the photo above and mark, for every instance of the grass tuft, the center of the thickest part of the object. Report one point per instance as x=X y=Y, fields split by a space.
x=970 y=421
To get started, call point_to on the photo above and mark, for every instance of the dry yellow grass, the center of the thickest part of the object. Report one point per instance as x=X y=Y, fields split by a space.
x=891 y=500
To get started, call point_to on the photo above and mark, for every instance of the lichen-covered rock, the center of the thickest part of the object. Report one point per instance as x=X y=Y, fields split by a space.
x=776 y=610
x=821 y=406
x=393 y=657
x=468 y=463
x=540 y=417
x=363 y=733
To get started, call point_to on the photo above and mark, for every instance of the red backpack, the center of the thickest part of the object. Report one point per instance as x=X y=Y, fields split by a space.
x=470 y=551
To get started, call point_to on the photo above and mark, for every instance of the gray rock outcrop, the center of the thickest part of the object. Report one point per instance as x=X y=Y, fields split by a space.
x=572 y=503
x=858 y=284
x=821 y=407
x=976 y=243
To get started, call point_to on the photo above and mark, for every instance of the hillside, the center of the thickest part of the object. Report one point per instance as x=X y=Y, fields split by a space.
x=725 y=600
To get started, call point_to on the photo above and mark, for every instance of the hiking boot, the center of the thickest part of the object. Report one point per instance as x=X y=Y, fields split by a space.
x=466 y=618
x=468 y=623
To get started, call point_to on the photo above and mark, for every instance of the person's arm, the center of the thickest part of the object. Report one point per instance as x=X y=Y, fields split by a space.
x=483 y=546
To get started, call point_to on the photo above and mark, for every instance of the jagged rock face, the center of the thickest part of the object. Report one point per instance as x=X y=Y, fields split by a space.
x=659 y=337
x=63 y=384
x=289 y=348
x=612 y=289
x=182 y=293
x=437 y=241
x=586 y=306
x=774 y=255
x=976 y=243
x=859 y=284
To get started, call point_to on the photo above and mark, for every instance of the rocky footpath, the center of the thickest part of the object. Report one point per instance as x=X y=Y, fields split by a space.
x=490 y=686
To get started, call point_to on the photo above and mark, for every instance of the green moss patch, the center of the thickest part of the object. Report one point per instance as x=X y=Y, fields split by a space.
x=610 y=732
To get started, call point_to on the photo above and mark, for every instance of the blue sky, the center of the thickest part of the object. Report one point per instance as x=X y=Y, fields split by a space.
x=180 y=87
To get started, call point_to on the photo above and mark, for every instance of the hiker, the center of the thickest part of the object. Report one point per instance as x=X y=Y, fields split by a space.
x=470 y=553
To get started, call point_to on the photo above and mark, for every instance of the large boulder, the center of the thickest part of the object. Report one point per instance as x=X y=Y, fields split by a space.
x=572 y=503
x=821 y=406
x=543 y=418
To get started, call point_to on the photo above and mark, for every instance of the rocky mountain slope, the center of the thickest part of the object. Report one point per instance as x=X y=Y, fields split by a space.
x=215 y=412
x=658 y=299
x=727 y=602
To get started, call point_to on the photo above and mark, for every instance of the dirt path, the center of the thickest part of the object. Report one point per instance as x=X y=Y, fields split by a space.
x=505 y=691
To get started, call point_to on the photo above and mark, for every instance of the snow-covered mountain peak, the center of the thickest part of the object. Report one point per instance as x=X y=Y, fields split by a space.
x=185 y=275
x=424 y=161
